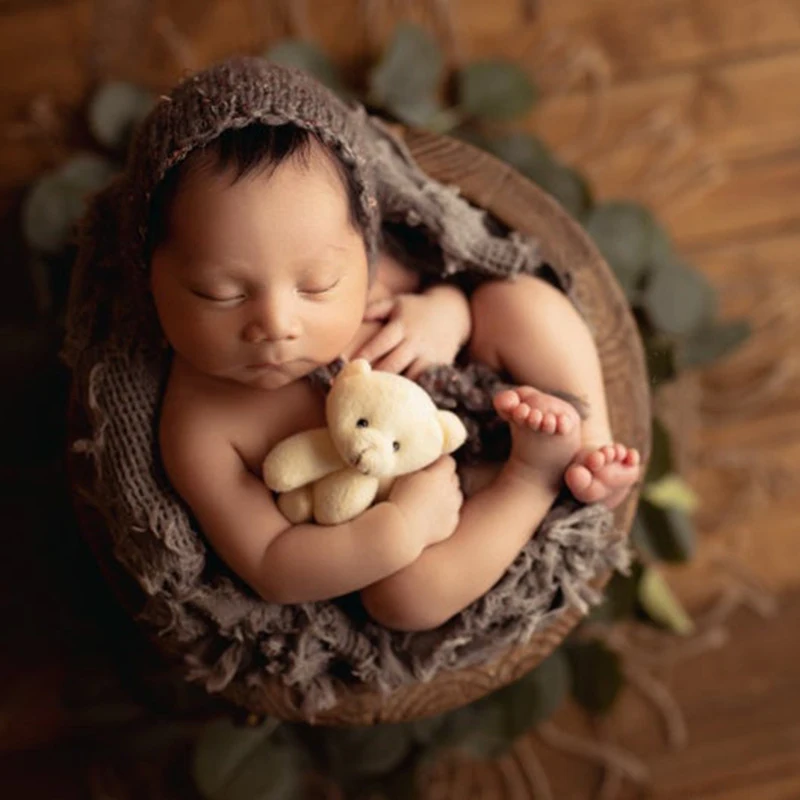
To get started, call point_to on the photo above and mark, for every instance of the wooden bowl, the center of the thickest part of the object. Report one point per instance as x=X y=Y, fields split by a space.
x=515 y=201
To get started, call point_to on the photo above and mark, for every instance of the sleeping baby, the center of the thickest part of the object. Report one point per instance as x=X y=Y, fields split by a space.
x=262 y=270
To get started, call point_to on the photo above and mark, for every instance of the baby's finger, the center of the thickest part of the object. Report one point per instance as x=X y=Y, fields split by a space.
x=417 y=367
x=379 y=309
x=397 y=360
x=383 y=342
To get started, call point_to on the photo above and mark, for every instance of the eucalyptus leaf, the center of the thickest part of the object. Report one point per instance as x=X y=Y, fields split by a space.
x=480 y=730
x=424 y=731
x=620 y=596
x=367 y=751
x=115 y=109
x=566 y=185
x=623 y=232
x=661 y=459
x=678 y=299
x=662 y=252
x=495 y=90
x=661 y=354
x=524 y=152
x=240 y=763
x=671 y=491
x=58 y=199
x=667 y=533
x=596 y=675
x=712 y=342
x=406 y=81
x=536 y=696
x=661 y=605
x=304 y=55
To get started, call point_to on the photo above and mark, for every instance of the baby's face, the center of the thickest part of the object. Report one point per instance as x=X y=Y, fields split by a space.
x=263 y=280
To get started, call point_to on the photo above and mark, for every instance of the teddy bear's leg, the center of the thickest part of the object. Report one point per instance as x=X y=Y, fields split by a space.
x=298 y=505
x=342 y=495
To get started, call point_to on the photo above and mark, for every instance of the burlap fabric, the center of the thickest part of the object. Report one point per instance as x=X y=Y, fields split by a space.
x=196 y=607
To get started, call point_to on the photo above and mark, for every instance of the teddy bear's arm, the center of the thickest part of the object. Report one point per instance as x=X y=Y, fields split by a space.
x=343 y=495
x=300 y=459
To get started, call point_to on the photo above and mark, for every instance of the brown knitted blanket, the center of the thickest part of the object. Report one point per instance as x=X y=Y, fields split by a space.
x=192 y=602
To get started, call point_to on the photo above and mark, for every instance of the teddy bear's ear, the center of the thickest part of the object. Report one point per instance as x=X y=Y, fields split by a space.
x=358 y=367
x=455 y=434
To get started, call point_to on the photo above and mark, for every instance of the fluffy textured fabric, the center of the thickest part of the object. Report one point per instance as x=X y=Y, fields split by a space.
x=198 y=609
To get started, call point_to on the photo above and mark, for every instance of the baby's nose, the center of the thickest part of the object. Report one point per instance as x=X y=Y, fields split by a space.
x=272 y=319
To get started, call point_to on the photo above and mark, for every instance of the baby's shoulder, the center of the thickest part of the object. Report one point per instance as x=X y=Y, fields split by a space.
x=224 y=419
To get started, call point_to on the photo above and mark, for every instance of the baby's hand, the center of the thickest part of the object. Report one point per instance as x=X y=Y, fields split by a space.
x=430 y=500
x=421 y=330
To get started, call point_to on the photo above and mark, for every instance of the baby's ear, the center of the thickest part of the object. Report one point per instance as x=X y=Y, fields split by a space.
x=455 y=434
x=358 y=367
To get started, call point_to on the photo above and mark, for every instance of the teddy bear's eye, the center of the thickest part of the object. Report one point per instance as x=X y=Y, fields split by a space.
x=362 y=423
x=396 y=446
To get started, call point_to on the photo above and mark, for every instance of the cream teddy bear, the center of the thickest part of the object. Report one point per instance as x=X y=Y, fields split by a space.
x=380 y=426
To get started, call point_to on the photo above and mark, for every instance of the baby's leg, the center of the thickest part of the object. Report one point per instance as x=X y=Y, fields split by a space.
x=530 y=329
x=495 y=523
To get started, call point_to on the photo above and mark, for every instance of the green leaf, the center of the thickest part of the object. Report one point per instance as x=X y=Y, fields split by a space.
x=666 y=534
x=621 y=596
x=712 y=342
x=661 y=249
x=406 y=81
x=661 y=605
x=536 y=696
x=661 y=460
x=480 y=730
x=488 y=727
x=567 y=186
x=308 y=57
x=239 y=763
x=367 y=751
x=623 y=232
x=115 y=110
x=671 y=491
x=495 y=90
x=596 y=675
x=678 y=299
x=58 y=199
x=524 y=152
x=661 y=355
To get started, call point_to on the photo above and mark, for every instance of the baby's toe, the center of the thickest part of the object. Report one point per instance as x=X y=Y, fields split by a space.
x=578 y=478
x=549 y=422
x=595 y=460
x=633 y=459
x=620 y=451
x=565 y=423
x=521 y=412
x=506 y=401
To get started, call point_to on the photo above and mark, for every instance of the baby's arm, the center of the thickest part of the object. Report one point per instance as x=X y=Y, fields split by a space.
x=283 y=563
x=287 y=563
x=421 y=329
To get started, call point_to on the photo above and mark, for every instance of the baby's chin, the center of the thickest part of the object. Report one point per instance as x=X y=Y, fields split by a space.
x=275 y=377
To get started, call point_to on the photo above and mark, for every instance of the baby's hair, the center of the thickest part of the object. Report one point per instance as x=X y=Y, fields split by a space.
x=256 y=148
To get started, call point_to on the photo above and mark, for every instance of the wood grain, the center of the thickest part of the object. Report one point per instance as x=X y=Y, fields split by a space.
x=738 y=111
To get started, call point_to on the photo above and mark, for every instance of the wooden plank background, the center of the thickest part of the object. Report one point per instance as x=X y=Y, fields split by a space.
x=720 y=81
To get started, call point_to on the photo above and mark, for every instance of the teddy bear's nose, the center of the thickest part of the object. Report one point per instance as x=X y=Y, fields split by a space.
x=356 y=461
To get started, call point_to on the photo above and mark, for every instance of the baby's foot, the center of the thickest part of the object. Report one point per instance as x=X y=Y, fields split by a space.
x=603 y=474
x=545 y=433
